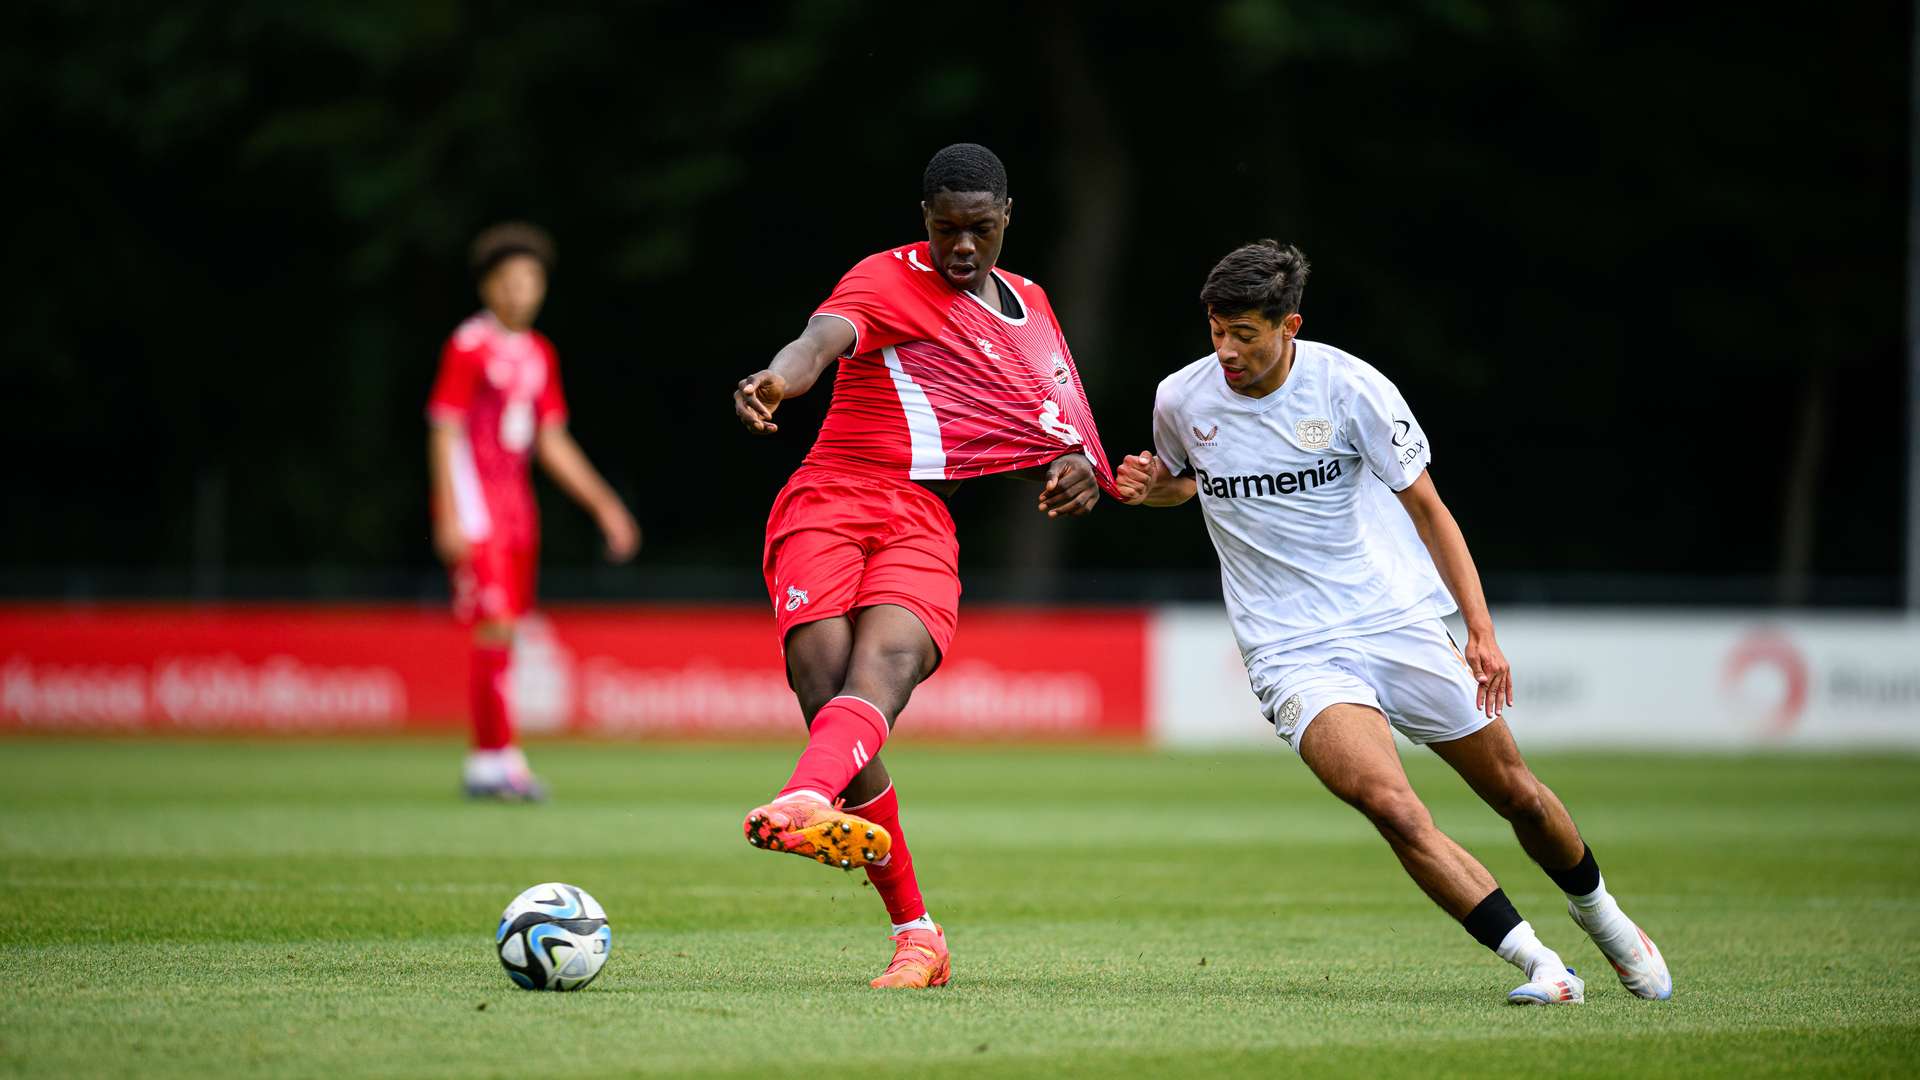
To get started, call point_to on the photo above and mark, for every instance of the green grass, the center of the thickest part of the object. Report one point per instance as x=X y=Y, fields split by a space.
x=326 y=909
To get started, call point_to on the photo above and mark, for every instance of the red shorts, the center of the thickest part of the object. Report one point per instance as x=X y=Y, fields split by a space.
x=496 y=582
x=839 y=542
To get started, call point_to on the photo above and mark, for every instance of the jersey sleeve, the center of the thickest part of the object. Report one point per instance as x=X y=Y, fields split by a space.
x=881 y=304
x=453 y=387
x=1380 y=427
x=1167 y=443
x=552 y=406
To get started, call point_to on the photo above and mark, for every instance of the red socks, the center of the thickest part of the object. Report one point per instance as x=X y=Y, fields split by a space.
x=847 y=732
x=492 y=718
x=892 y=876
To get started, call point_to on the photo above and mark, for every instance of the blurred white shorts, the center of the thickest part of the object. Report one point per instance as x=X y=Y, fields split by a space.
x=1414 y=675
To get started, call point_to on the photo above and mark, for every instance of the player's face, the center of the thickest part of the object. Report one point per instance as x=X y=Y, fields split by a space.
x=965 y=230
x=1250 y=349
x=514 y=290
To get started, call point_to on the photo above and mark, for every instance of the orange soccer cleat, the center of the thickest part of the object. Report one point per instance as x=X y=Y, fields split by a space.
x=812 y=829
x=920 y=959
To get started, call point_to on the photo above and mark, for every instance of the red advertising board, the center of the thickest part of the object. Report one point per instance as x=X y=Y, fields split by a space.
x=633 y=671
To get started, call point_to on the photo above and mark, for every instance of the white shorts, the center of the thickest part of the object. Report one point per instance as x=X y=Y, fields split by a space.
x=1415 y=675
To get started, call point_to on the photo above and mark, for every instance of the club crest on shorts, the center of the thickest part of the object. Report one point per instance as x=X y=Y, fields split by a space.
x=796 y=598
x=1314 y=434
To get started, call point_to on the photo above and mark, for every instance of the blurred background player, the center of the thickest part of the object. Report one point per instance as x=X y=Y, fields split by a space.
x=1299 y=452
x=950 y=369
x=495 y=403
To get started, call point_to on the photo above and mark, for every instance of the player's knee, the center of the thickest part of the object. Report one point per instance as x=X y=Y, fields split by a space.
x=896 y=667
x=1396 y=812
x=1520 y=801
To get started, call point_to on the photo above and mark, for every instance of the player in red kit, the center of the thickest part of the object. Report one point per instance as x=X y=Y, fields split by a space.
x=495 y=404
x=949 y=369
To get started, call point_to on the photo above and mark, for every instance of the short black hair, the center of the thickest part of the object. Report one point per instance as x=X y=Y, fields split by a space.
x=509 y=238
x=964 y=167
x=1266 y=276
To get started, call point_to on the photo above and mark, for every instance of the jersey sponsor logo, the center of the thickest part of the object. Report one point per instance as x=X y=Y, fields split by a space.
x=796 y=598
x=1260 y=484
x=1411 y=447
x=1314 y=434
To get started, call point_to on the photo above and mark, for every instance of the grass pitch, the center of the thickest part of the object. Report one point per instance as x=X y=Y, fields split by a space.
x=327 y=909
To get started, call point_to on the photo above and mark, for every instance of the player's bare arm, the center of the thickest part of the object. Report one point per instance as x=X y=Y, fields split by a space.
x=449 y=542
x=1448 y=546
x=1145 y=480
x=793 y=372
x=560 y=455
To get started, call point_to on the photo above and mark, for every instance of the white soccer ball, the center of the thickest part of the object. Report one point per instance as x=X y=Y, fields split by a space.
x=553 y=937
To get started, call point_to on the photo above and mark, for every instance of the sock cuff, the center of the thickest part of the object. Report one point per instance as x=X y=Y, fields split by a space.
x=852 y=703
x=1492 y=919
x=1580 y=879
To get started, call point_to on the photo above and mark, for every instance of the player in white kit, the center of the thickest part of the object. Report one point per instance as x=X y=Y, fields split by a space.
x=1338 y=560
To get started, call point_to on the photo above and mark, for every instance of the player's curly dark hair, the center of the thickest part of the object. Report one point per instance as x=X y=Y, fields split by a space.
x=965 y=167
x=509 y=238
x=1266 y=276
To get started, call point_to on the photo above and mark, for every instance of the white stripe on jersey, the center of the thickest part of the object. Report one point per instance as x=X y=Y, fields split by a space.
x=469 y=505
x=923 y=426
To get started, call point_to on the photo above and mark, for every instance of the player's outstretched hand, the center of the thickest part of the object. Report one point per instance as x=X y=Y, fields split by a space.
x=755 y=398
x=622 y=533
x=1491 y=671
x=1071 y=489
x=1134 y=477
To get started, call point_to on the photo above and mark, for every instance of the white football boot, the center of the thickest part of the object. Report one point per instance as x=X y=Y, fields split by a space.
x=1642 y=970
x=1547 y=988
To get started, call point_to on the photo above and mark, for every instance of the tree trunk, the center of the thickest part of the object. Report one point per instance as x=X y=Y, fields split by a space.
x=1096 y=177
x=1794 y=585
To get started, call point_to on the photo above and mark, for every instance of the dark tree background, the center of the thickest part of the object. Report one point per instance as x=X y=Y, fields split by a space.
x=1639 y=267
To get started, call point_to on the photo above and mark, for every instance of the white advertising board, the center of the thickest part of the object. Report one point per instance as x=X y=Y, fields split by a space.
x=1606 y=678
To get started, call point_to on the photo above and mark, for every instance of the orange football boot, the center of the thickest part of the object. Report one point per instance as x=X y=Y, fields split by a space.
x=920 y=958
x=814 y=830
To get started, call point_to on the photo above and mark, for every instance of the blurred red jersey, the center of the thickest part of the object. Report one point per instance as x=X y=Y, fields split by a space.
x=939 y=386
x=500 y=386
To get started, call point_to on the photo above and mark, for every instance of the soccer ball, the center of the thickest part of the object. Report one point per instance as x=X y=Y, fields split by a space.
x=553 y=937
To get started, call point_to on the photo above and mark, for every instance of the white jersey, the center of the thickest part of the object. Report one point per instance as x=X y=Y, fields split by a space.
x=1298 y=491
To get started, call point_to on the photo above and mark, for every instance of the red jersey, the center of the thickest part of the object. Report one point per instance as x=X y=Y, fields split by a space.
x=500 y=386
x=939 y=386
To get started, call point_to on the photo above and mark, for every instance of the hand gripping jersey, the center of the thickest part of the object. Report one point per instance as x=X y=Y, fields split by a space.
x=500 y=386
x=1298 y=491
x=939 y=386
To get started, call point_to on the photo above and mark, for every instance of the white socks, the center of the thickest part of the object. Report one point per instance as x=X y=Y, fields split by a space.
x=924 y=922
x=489 y=767
x=1522 y=948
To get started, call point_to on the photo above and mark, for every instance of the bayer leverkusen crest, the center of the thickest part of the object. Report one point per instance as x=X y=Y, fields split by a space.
x=1314 y=434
